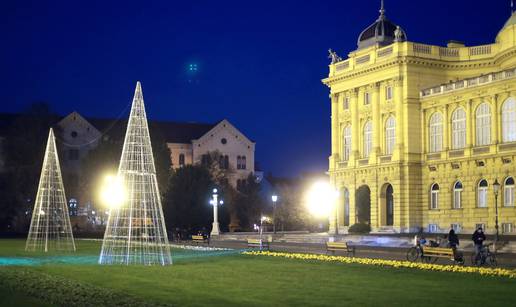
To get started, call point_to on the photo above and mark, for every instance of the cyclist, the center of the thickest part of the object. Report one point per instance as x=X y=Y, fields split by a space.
x=478 y=239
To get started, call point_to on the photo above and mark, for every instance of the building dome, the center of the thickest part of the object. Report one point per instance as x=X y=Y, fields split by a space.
x=382 y=32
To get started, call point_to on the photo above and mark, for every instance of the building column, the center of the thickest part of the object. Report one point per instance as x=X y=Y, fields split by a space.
x=334 y=131
x=355 y=128
x=470 y=134
x=377 y=125
x=400 y=137
x=446 y=129
x=495 y=120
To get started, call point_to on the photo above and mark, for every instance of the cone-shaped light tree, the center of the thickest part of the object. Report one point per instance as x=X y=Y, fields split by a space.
x=135 y=232
x=50 y=227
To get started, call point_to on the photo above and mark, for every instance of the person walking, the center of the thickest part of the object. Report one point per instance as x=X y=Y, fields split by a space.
x=453 y=239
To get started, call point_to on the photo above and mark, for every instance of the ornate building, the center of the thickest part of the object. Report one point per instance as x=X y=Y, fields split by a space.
x=420 y=133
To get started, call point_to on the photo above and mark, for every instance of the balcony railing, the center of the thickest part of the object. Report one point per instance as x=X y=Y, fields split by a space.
x=480 y=80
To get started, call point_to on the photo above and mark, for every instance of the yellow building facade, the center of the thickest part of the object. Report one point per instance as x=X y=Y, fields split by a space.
x=420 y=133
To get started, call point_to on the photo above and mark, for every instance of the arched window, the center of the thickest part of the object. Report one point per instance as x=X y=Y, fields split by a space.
x=483 y=124
x=508 y=192
x=459 y=129
x=368 y=138
x=434 y=196
x=390 y=135
x=239 y=162
x=181 y=159
x=457 y=195
x=436 y=132
x=346 y=151
x=482 y=193
x=509 y=120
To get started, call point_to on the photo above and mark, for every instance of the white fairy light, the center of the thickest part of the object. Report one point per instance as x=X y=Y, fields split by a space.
x=135 y=231
x=50 y=227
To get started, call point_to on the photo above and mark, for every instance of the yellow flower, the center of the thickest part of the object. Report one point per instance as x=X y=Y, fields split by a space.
x=390 y=263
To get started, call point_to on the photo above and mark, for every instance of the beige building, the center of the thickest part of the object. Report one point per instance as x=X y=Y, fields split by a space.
x=420 y=133
x=188 y=143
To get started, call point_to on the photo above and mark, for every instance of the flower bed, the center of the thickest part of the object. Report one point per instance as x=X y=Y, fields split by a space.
x=200 y=248
x=391 y=263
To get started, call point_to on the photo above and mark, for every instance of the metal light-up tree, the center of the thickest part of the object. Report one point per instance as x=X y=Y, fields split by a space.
x=50 y=227
x=135 y=232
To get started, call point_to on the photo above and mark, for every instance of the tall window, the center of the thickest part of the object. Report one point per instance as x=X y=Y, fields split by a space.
x=241 y=162
x=434 y=196
x=459 y=129
x=368 y=138
x=181 y=159
x=509 y=120
x=457 y=195
x=482 y=193
x=508 y=192
x=436 y=132
x=244 y=162
x=388 y=93
x=390 y=135
x=367 y=98
x=347 y=143
x=483 y=124
x=345 y=103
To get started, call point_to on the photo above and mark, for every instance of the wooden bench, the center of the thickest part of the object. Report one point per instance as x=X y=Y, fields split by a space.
x=257 y=243
x=439 y=252
x=340 y=246
x=200 y=239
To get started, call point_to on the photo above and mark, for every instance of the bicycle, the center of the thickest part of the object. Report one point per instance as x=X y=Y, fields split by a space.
x=416 y=252
x=484 y=257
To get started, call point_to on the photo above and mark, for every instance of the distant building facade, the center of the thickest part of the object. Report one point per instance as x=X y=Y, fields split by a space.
x=420 y=133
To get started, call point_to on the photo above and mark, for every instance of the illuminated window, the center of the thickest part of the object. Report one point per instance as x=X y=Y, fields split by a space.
x=508 y=192
x=388 y=93
x=459 y=129
x=482 y=193
x=457 y=195
x=436 y=132
x=368 y=139
x=509 y=120
x=367 y=98
x=483 y=123
x=434 y=196
x=390 y=135
x=347 y=143
x=181 y=160
x=345 y=103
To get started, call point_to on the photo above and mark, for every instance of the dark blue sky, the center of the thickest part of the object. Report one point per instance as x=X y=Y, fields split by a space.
x=259 y=62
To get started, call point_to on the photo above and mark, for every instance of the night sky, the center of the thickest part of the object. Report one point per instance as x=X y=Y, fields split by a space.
x=259 y=63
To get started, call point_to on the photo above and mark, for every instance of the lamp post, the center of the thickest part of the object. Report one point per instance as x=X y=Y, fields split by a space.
x=274 y=200
x=496 y=189
x=215 y=230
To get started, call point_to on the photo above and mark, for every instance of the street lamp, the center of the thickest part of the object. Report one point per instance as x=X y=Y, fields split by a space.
x=496 y=189
x=321 y=200
x=274 y=200
x=215 y=230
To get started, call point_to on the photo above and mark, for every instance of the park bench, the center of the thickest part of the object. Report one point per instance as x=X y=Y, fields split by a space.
x=200 y=239
x=340 y=246
x=258 y=243
x=439 y=252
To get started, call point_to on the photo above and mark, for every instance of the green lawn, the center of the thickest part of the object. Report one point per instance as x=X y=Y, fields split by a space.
x=201 y=278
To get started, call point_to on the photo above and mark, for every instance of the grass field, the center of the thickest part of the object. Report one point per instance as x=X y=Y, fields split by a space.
x=230 y=279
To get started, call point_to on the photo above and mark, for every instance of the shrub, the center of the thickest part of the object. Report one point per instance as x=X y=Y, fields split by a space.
x=359 y=228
